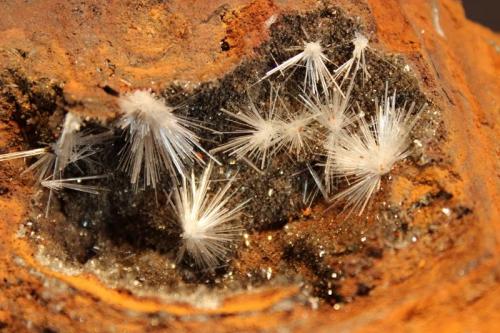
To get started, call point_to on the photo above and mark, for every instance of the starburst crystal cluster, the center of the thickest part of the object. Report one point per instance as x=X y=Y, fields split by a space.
x=332 y=112
x=360 y=43
x=358 y=150
x=354 y=149
x=257 y=133
x=156 y=138
x=366 y=155
x=71 y=148
x=316 y=71
x=261 y=137
x=208 y=225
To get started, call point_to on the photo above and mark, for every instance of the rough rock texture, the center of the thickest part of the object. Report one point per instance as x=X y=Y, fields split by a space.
x=74 y=55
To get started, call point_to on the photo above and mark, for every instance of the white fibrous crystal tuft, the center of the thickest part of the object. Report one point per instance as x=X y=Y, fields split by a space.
x=156 y=138
x=208 y=225
x=365 y=156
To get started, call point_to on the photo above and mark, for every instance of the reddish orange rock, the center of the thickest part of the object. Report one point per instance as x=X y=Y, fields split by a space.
x=90 y=45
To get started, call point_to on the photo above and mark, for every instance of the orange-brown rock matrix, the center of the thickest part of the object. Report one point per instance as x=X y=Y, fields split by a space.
x=83 y=50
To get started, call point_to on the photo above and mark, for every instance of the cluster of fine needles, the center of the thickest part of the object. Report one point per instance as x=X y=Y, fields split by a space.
x=358 y=150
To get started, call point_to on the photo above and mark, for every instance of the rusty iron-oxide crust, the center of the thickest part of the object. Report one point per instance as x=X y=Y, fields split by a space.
x=455 y=288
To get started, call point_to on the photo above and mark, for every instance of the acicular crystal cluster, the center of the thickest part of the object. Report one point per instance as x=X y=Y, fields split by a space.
x=358 y=150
